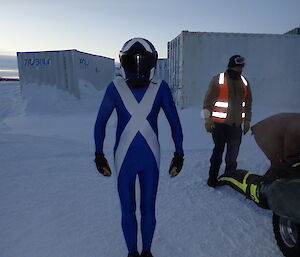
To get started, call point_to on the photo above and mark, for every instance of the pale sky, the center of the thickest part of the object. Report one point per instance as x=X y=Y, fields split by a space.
x=102 y=26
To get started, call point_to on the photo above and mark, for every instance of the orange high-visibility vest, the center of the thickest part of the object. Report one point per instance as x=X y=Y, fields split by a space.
x=219 y=112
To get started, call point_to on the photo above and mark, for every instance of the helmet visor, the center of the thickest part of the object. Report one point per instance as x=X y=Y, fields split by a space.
x=137 y=63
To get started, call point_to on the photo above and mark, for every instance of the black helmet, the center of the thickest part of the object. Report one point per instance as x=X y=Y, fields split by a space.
x=138 y=59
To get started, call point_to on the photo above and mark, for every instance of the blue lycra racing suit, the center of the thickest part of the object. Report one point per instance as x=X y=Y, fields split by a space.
x=137 y=112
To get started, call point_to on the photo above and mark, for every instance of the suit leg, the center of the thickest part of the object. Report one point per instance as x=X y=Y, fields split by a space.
x=149 y=182
x=126 y=189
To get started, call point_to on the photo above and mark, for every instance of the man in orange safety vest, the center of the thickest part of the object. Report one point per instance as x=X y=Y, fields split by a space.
x=227 y=105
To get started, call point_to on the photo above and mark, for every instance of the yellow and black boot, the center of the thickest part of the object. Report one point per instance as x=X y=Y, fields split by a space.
x=251 y=185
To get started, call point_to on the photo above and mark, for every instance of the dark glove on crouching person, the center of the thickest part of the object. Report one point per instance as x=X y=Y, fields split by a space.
x=176 y=164
x=102 y=164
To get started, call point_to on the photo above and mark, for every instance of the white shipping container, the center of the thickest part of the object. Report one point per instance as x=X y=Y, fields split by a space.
x=162 y=69
x=272 y=65
x=67 y=69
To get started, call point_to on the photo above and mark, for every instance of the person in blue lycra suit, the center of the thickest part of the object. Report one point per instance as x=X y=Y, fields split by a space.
x=137 y=96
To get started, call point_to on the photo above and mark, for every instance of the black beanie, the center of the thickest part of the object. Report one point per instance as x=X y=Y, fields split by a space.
x=232 y=62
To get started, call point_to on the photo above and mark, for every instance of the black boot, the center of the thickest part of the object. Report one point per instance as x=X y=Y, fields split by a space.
x=133 y=255
x=146 y=254
x=212 y=177
x=212 y=181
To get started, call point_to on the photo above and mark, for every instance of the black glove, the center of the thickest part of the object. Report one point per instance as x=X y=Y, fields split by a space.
x=102 y=164
x=176 y=164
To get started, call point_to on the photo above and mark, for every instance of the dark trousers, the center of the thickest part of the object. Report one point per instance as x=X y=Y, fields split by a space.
x=223 y=135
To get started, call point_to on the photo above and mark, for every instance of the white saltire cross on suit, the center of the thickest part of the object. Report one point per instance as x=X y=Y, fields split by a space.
x=138 y=121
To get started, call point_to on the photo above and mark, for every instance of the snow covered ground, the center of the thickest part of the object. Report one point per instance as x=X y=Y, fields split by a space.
x=55 y=204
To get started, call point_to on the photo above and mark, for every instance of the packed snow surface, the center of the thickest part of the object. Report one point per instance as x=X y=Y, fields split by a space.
x=54 y=203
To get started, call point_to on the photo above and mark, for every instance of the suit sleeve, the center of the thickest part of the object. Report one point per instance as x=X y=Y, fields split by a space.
x=106 y=108
x=170 y=111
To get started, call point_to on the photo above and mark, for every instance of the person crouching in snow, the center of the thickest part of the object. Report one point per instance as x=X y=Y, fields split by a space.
x=137 y=97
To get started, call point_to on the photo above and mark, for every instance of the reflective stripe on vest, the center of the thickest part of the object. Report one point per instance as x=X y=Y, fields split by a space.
x=219 y=113
x=138 y=121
